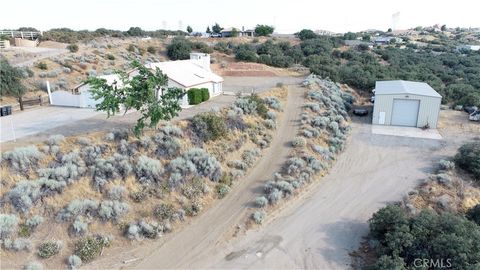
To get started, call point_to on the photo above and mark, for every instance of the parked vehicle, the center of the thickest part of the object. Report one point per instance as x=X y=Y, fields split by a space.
x=360 y=112
x=215 y=35
x=470 y=109
x=475 y=116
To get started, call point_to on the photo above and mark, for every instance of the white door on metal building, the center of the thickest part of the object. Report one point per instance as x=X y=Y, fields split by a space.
x=405 y=112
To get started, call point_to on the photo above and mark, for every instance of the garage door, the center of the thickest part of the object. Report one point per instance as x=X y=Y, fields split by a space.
x=405 y=112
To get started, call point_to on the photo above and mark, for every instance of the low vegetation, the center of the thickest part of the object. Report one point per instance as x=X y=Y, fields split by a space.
x=322 y=135
x=436 y=224
x=116 y=188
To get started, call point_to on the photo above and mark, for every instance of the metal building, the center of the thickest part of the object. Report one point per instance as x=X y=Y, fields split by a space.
x=406 y=103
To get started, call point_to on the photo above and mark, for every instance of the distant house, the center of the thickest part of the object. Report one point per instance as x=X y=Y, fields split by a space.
x=229 y=32
x=382 y=40
x=192 y=73
x=356 y=43
x=468 y=47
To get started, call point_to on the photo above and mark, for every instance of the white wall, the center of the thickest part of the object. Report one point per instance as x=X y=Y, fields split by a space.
x=82 y=100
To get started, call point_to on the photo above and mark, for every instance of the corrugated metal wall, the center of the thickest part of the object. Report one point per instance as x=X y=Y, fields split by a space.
x=428 y=111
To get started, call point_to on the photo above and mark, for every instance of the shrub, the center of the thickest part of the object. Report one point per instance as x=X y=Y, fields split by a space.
x=249 y=156
x=151 y=49
x=74 y=262
x=143 y=229
x=24 y=195
x=167 y=146
x=261 y=201
x=110 y=56
x=473 y=214
x=34 y=221
x=48 y=249
x=110 y=168
x=275 y=196
x=22 y=159
x=468 y=158
x=112 y=210
x=89 y=248
x=148 y=170
x=79 y=226
x=271 y=115
x=446 y=165
x=252 y=105
x=299 y=142
x=273 y=103
x=22 y=244
x=222 y=190
x=8 y=225
x=116 y=193
x=75 y=208
x=164 y=211
x=258 y=216
x=72 y=48
x=42 y=65
x=270 y=124
x=209 y=126
x=194 y=96
x=193 y=208
x=33 y=266
x=205 y=94
x=138 y=196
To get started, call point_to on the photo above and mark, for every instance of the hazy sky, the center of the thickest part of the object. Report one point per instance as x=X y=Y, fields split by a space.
x=287 y=16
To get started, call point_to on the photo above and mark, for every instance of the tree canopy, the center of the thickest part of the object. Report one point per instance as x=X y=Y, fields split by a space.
x=263 y=30
x=146 y=92
x=216 y=28
x=11 y=81
x=179 y=49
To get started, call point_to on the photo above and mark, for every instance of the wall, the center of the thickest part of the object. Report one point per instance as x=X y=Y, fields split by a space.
x=82 y=100
x=428 y=111
x=20 y=42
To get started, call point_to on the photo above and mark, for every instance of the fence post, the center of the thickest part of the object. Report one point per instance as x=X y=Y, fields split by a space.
x=49 y=92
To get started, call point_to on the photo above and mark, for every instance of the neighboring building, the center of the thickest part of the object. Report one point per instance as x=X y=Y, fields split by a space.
x=22 y=38
x=185 y=74
x=468 y=47
x=383 y=40
x=405 y=103
x=228 y=32
x=356 y=43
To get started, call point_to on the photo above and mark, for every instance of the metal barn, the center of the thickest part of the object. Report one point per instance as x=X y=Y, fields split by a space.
x=406 y=103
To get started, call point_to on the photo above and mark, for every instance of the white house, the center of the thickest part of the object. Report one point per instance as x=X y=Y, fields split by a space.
x=186 y=74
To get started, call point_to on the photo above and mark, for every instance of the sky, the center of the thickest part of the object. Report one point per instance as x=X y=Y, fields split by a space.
x=287 y=16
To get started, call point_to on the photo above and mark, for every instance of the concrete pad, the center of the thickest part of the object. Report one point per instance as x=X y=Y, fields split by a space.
x=32 y=121
x=406 y=132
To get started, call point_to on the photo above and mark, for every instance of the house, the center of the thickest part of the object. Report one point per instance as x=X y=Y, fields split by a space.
x=356 y=43
x=405 y=103
x=468 y=48
x=382 y=40
x=229 y=32
x=192 y=73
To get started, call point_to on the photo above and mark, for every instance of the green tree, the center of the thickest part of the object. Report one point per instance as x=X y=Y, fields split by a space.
x=142 y=93
x=306 y=34
x=135 y=32
x=443 y=28
x=468 y=158
x=11 y=81
x=189 y=29
x=349 y=36
x=179 y=49
x=217 y=28
x=473 y=214
x=263 y=30
x=208 y=30
x=234 y=32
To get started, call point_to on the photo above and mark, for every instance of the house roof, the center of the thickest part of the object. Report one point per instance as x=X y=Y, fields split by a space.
x=404 y=87
x=187 y=73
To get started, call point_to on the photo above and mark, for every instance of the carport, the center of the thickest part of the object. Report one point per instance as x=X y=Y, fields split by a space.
x=406 y=103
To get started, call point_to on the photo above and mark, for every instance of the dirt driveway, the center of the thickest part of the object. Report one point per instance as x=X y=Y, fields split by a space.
x=318 y=230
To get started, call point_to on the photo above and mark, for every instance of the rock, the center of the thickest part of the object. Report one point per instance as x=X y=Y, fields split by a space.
x=67 y=70
x=458 y=108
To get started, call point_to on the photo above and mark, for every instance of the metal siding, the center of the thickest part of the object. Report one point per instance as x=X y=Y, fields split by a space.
x=405 y=112
x=428 y=112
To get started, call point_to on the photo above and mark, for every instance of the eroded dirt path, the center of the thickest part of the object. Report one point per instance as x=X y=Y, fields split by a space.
x=207 y=233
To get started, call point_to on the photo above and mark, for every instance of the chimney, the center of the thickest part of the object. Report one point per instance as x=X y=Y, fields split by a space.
x=202 y=59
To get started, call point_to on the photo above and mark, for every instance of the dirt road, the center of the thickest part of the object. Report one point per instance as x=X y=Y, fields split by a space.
x=320 y=229
x=206 y=234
